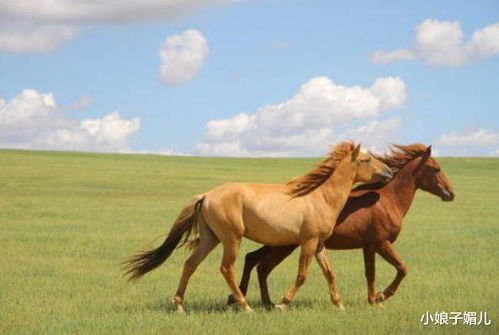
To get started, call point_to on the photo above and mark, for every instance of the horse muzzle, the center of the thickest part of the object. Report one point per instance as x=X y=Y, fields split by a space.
x=447 y=195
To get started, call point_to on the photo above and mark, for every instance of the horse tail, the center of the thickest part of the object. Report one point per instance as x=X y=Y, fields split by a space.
x=186 y=225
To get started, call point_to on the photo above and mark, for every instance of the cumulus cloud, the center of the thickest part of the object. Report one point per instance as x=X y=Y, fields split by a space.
x=471 y=141
x=39 y=38
x=318 y=114
x=30 y=114
x=182 y=56
x=109 y=133
x=440 y=43
x=28 y=26
x=375 y=134
x=33 y=120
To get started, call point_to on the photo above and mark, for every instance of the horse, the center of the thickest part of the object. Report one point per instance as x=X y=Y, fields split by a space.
x=371 y=220
x=301 y=212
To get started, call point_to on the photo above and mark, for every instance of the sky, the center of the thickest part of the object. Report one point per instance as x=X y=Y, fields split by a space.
x=249 y=78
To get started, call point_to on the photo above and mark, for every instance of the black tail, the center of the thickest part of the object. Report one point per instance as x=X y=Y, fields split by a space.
x=186 y=225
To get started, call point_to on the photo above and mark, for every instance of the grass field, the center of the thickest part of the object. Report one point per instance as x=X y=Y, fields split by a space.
x=68 y=219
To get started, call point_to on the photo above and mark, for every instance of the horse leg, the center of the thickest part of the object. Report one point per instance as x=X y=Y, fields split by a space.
x=273 y=258
x=388 y=253
x=250 y=261
x=370 y=272
x=231 y=247
x=307 y=252
x=328 y=271
x=207 y=241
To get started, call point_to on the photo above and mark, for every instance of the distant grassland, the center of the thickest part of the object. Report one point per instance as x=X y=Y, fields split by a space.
x=68 y=219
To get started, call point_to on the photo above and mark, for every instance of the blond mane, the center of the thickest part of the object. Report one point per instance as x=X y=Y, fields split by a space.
x=400 y=155
x=305 y=184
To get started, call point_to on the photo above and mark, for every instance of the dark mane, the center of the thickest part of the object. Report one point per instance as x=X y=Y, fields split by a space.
x=400 y=155
x=305 y=184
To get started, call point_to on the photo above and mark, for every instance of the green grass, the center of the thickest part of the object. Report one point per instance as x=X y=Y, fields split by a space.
x=67 y=219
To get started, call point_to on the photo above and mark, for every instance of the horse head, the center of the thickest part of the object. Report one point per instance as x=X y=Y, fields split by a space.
x=369 y=168
x=431 y=178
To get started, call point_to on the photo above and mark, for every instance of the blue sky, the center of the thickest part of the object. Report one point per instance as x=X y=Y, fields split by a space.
x=259 y=54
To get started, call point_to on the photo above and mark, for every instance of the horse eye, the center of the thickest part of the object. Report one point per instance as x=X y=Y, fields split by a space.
x=365 y=160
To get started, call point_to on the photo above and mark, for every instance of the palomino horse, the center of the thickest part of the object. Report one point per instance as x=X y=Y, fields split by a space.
x=302 y=212
x=371 y=220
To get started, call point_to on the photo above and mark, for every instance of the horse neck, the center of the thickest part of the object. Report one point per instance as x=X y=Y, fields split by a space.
x=403 y=187
x=337 y=187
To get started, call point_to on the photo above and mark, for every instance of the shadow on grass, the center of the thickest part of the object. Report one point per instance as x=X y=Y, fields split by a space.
x=212 y=306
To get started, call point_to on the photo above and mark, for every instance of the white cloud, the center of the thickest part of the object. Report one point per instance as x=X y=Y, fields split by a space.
x=30 y=114
x=230 y=149
x=109 y=133
x=309 y=121
x=229 y=128
x=33 y=120
x=440 y=43
x=182 y=56
x=376 y=133
x=472 y=141
x=102 y=11
x=474 y=137
x=43 y=25
x=38 y=38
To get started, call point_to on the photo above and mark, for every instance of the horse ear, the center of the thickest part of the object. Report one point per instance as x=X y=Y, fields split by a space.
x=355 y=152
x=426 y=155
x=428 y=150
x=424 y=158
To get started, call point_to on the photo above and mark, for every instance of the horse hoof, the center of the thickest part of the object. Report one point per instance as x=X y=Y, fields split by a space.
x=246 y=309
x=380 y=305
x=341 y=307
x=268 y=304
x=380 y=297
x=177 y=302
x=281 y=306
x=231 y=300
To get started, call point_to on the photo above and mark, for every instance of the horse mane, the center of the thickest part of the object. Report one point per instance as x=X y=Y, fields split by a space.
x=400 y=155
x=303 y=185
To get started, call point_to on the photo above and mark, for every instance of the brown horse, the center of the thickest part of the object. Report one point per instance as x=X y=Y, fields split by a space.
x=371 y=220
x=302 y=212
